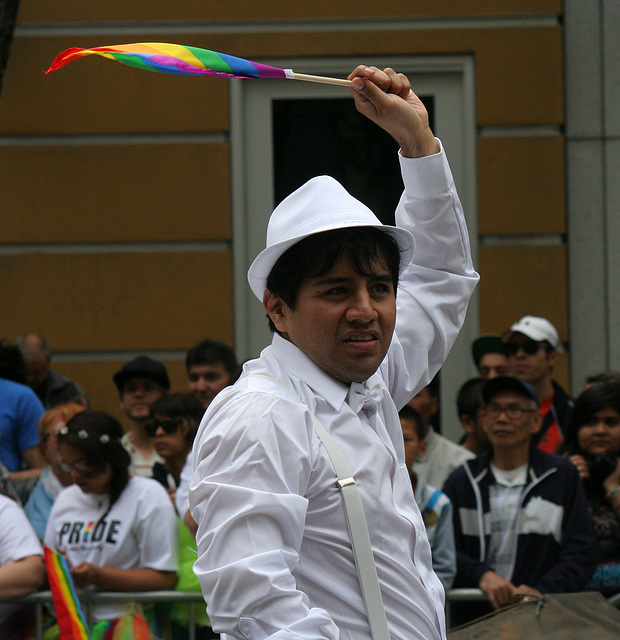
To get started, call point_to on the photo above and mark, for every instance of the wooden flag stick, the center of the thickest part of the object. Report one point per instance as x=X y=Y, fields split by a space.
x=321 y=79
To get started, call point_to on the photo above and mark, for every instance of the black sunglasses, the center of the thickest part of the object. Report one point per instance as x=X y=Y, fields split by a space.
x=531 y=347
x=169 y=426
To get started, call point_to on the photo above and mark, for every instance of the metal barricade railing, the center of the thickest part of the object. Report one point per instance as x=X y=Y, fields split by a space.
x=87 y=598
x=194 y=599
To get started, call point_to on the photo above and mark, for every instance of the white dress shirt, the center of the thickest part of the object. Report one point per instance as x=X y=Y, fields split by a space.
x=274 y=555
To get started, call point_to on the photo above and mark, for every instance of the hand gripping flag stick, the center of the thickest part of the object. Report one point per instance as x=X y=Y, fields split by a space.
x=184 y=60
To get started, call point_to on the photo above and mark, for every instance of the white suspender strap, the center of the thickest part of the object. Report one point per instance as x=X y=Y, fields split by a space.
x=357 y=526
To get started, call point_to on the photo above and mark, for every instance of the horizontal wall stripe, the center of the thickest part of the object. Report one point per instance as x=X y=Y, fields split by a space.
x=112 y=356
x=113 y=139
x=259 y=26
x=542 y=240
x=119 y=247
x=541 y=131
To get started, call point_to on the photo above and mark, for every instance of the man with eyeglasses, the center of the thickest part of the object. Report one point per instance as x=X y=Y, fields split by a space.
x=521 y=521
x=533 y=347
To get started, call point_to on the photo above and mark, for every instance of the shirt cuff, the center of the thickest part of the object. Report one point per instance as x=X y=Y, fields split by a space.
x=428 y=176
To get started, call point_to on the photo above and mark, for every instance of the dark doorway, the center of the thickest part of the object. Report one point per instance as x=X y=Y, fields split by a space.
x=329 y=136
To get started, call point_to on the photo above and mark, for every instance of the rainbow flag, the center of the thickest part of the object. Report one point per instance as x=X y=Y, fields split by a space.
x=69 y=615
x=175 y=58
x=130 y=626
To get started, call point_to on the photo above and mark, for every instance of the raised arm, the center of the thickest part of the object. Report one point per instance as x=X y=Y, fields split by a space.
x=434 y=291
x=386 y=98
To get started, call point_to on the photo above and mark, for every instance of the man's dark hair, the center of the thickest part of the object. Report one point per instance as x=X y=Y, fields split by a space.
x=180 y=405
x=97 y=436
x=603 y=376
x=213 y=352
x=12 y=364
x=409 y=413
x=605 y=395
x=433 y=386
x=315 y=255
x=469 y=398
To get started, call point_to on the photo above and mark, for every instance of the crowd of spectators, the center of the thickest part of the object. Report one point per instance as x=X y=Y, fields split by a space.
x=527 y=502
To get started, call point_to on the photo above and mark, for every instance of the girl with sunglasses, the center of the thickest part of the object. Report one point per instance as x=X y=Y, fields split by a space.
x=117 y=531
x=593 y=445
x=174 y=422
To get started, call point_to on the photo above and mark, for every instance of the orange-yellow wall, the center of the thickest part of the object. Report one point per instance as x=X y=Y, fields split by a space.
x=171 y=183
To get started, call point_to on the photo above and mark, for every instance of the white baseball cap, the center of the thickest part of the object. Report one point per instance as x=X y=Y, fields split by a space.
x=321 y=204
x=538 y=329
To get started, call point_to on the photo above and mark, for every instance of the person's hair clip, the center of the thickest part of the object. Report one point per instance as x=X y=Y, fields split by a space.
x=104 y=438
x=64 y=430
x=83 y=434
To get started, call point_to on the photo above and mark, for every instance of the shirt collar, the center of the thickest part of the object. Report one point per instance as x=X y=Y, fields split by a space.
x=298 y=365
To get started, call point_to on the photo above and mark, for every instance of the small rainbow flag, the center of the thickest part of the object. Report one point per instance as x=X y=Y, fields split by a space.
x=184 y=60
x=175 y=58
x=69 y=614
x=130 y=626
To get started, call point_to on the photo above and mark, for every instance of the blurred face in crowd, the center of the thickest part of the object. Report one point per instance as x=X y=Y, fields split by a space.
x=601 y=433
x=492 y=365
x=169 y=436
x=52 y=452
x=530 y=360
x=205 y=381
x=37 y=372
x=84 y=475
x=425 y=404
x=475 y=427
x=511 y=420
x=414 y=447
x=138 y=396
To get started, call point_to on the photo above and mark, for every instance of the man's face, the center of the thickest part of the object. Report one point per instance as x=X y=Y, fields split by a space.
x=205 y=381
x=529 y=360
x=343 y=321
x=511 y=420
x=475 y=427
x=414 y=447
x=425 y=404
x=138 y=396
x=492 y=365
x=37 y=372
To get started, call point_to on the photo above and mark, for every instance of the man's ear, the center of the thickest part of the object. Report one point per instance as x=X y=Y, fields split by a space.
x=276 y=309
x=552 y=358
x=537 y=421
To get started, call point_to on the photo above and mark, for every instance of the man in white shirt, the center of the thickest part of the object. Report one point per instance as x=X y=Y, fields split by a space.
x=274 y=553
x=442 y=456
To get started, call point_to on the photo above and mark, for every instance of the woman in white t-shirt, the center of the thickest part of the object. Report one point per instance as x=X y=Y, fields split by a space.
x=21 y=564
x=118 y=532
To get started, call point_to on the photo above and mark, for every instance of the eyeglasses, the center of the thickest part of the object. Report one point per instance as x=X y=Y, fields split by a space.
x=513 y=412
x=81 y=466
x=530 y=347
x=169 y=426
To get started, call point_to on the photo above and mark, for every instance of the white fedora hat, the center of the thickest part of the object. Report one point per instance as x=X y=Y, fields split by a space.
x=321 y=204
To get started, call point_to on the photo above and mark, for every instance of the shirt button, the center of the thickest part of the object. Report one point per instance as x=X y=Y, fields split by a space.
x=433 y=591
x=418 y=530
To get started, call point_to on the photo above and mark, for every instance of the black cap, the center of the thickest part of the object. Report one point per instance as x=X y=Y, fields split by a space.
x=145 y=367
x=508 y=383
x=486 y=344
